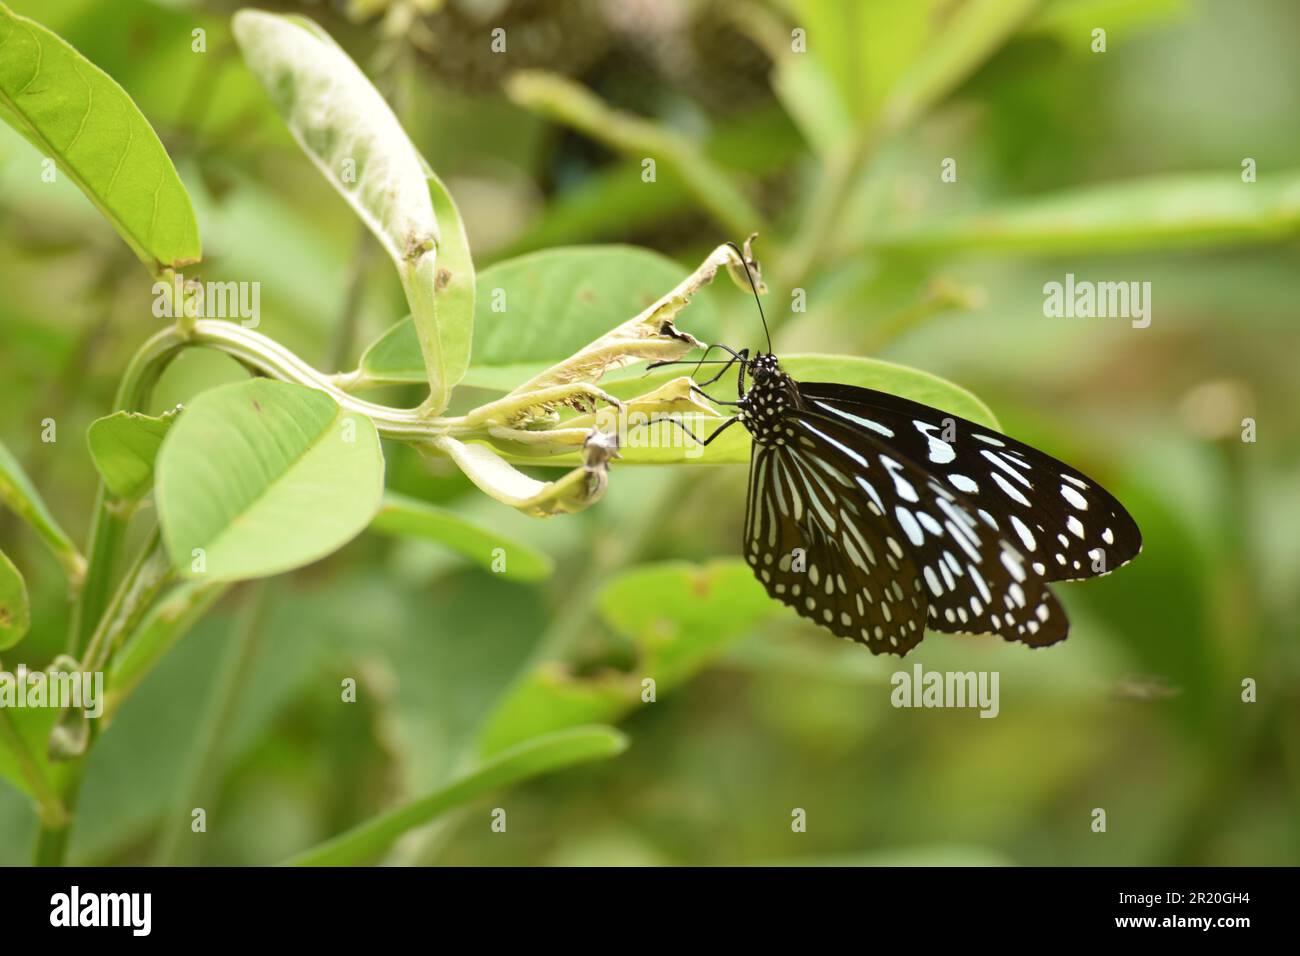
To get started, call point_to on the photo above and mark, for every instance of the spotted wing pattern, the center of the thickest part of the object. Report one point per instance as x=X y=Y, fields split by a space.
x=869 y=544
x=1067 y=525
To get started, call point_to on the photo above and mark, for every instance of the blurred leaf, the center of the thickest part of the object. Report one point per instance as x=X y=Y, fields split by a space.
x=15 y=610
x=612 y=202
x=808 y=92
x=1071 y=22
x=403 y=517
x=973 y=32
x=1166 y=211
x=540 y=308
x=23 y=759
x=551 y=698
x=538 y=756
x=165 y=623
x=350 y=133
x=572 y=104
x=941 y=856
x=18 y=492
x=124 y=446
x=863 y=46
x=77 y=115
x=884 y=63
x=264 y=477
x=679 y=617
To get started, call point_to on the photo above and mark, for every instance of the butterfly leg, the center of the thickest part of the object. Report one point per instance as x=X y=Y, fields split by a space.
x=719 y=430
x=716 y=401
x=702 y=442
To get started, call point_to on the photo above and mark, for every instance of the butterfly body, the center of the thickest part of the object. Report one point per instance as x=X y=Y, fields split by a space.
x=877 y=517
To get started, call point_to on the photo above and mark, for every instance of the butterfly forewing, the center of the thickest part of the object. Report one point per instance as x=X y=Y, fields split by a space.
x=1067 y=526
x=969 y=578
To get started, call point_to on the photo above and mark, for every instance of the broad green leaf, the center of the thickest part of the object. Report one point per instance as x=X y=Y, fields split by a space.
x=1167 y=211
x=75 y=114
x=661 y=442
x=260 y=477
x=533 y=758
x=15 y=611
x=540 y=308
x=403 y=517
x=21 y=496
x=124 y=446
x=348 y=130
x=679 y=617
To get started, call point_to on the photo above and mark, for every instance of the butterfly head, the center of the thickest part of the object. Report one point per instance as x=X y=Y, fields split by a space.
x=763 y=368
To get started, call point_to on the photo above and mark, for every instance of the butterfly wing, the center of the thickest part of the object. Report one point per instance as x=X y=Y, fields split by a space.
x=1067 y=525
x=819 y=544
x=970 y=579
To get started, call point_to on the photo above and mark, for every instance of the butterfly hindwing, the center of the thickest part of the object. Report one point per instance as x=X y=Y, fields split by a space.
x=815 y=544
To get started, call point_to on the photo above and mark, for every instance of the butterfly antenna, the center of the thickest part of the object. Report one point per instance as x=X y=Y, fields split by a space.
x=754 y=288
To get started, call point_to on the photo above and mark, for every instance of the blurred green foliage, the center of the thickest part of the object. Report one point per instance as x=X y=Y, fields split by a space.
x=1122 y=165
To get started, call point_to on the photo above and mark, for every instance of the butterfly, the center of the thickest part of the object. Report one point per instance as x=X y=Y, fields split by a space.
x=878 y=517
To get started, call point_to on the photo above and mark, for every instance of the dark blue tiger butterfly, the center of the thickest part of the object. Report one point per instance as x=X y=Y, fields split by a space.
x=878 y=517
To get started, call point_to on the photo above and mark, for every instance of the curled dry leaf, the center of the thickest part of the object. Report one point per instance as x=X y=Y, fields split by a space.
x=650 y=336
x=674 y=398
x=574 y=491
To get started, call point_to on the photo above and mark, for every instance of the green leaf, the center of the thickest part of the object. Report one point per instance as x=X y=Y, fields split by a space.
x=124 y=446
x=552 y=698
x=348 y=130
x=679 y=617
x=540 y=308
x=682 y=615
x=23 y=759
x=262 y=477
x=975 y=31
x=15 y=610
x=661 y=443
x=1158 y=212
x=538 y=756
x=564 y=101
x=21 y=496
x=75 y=114
x=165 y=623
x=404 y=517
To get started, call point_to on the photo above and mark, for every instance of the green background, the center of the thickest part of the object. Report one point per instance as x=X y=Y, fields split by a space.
x=1115 y=166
